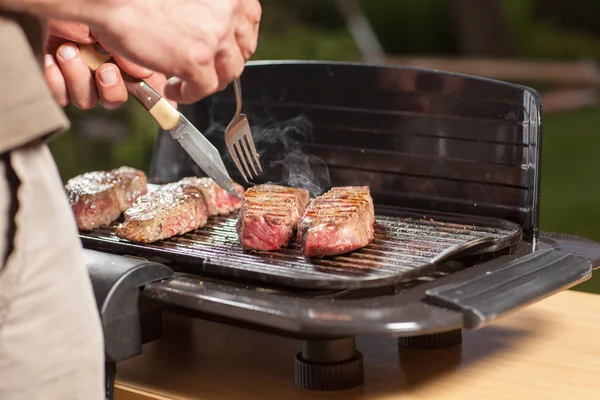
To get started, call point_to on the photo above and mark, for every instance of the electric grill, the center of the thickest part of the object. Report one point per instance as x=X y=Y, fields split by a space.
x=453 y=163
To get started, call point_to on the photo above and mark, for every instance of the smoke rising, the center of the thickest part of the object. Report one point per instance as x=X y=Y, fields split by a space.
x=304 y=171
x=280 y=144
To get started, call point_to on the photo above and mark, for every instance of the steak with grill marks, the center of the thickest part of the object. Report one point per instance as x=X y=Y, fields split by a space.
x=172 y=209
x=218 y=200
x=98 y=198
x=269 y=216
x=337 y=222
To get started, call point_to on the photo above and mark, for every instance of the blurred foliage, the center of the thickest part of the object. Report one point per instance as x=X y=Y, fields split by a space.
x=413 y=26
x=537 y=24
x=314 y=29
x=579 y=14
x=303 y=30
x=570 y=195
x=302 y=43
x=75 y=153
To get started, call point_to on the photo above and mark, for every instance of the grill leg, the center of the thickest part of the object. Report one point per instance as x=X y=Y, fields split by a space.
x=333 y=364
x=110 y=370
x=434 y=341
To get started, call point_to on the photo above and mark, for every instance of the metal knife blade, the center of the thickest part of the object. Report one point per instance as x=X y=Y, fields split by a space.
x=202 y=151
x=169 y=118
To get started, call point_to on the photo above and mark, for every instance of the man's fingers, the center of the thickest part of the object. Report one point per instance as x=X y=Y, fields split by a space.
x=56 y=81
x=253 y=11
x=111 y=88
x=246 y=37
x=80 y=84
x=247 y=27
x=157 y=81
x=72 y=31
x=190 y=91
x=199 y=82
x=229 y=62
x=132 y=68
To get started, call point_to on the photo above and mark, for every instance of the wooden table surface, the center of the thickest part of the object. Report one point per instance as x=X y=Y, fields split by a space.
x=550 y=350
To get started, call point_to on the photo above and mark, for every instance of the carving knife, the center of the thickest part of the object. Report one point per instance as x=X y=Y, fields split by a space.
x=189 y=137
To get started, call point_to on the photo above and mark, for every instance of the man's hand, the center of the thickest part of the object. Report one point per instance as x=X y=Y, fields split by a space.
x=70 y=80
x=203 y=44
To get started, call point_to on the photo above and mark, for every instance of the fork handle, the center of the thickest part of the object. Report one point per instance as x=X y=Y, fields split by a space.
x=161 y=110
x=237 y=90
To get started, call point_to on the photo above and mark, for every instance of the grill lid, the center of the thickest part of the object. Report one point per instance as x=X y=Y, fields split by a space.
x=406 y=246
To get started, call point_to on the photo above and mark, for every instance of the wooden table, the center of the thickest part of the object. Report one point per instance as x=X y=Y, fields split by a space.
x=550 y=350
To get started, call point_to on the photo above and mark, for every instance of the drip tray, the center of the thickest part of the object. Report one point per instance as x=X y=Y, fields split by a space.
x=407 y=245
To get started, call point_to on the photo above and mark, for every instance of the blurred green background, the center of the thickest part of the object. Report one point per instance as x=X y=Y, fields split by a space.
x=566 y=30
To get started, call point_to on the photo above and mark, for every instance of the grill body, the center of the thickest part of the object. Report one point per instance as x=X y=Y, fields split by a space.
x=427 y=143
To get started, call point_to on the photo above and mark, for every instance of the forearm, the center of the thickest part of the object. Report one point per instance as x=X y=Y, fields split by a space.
x=87 y=11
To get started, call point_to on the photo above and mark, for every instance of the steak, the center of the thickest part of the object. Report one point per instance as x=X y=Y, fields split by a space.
x=172 y=209
x=337 y=222
x=98 y=198
x=269 y=216
x=226 y=203
x=218 y=201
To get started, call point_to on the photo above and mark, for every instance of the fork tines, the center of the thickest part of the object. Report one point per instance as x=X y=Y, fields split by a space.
x=238 y=139
x=242 y=151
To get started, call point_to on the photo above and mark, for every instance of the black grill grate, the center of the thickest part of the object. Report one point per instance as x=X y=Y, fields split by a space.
x=406 y=246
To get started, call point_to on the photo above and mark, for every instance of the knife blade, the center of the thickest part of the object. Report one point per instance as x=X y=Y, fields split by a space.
x=203 y=153
x=196 y=145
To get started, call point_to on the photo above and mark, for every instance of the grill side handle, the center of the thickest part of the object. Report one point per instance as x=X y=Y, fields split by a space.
x=507 y=288
x=117 y=281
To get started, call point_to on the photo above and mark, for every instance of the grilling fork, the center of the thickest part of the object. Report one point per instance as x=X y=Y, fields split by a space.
x=238 y=139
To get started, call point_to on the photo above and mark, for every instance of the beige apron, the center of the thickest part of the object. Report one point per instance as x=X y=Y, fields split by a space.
x=51 y=344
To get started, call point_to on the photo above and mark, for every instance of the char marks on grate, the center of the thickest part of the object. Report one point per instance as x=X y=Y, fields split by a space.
x=404 y=248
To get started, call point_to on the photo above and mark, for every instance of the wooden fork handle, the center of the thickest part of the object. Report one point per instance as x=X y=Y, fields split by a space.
x=163 y=112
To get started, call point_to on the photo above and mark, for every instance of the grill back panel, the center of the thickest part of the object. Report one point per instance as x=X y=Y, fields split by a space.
x=420 y=139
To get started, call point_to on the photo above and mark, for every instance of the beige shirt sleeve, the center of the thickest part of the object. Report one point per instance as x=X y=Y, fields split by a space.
x=28 y=111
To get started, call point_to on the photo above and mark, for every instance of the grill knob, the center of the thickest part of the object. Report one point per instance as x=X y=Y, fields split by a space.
x=434 y=341
x=333 y=376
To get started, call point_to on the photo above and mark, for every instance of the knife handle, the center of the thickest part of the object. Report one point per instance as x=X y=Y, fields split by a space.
x=161 y=110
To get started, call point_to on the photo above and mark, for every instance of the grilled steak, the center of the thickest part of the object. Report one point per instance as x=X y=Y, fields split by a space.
x=226 y=203
x=218 y=201
x=172 y=209
x=98 y=198
x=337 y=222
x=269 y=215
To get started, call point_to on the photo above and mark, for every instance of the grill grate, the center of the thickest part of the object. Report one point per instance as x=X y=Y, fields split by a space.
x=406 y=246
